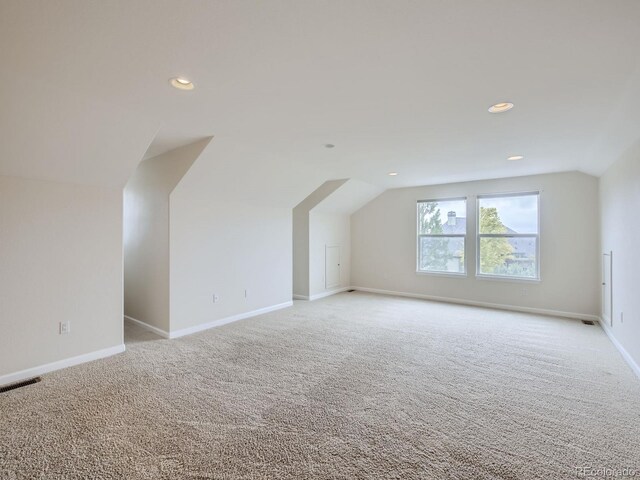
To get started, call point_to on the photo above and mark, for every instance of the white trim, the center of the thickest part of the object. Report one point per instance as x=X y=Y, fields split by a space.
x=473 y=303
x=328 y=293
x=627 y=358
x=146 y=326
x=458 y=235
x=442 y=274
x=506 y=278
x=60 y=364
x=609 y=282
x=224 y=321
x=445 y=199
x=318 y=296
x=485 y=276
x=326 y=248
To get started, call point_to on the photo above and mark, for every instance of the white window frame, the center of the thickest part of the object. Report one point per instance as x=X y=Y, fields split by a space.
x=458 y=235
x=507 y=278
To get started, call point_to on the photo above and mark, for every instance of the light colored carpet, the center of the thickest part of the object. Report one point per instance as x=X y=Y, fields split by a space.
x=351 y=386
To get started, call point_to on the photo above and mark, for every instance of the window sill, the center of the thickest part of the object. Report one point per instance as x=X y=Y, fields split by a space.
x=500 y=278
x=442 y=274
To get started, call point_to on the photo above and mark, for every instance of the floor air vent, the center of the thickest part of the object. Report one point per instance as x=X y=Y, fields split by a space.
x=24 y=383
x=588 y=322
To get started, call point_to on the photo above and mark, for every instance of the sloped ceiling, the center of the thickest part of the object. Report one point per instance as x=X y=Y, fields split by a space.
x=51 y=135
x=398 y=85
x=180 y=160
x=320 y=194
x=349 y=197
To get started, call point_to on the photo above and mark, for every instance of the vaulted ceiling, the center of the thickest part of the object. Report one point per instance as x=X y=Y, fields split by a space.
x=396 y=86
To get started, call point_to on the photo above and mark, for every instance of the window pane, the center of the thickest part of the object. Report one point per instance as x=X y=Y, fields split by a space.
x=445 y=217
x=517 y=214
x=441 y=254
x=511 y=257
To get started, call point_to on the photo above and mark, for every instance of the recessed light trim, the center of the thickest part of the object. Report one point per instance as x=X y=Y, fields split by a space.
x=182 y=83
x=393 y=174
x=501 y=107
x=515 y=157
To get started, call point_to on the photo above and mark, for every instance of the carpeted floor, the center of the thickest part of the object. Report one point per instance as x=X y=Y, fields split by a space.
x=351 y=386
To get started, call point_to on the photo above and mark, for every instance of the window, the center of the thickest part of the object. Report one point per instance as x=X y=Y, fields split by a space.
x=442 y=228
x=508 y=236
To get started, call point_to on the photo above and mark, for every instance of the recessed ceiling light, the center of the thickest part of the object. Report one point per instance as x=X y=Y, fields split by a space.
x=501 y=107
x=515 y=157
x=393 y=174
x=182 y=83
x=329 y=145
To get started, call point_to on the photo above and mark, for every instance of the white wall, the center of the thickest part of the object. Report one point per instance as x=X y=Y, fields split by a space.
x=224 y=248
x=187 y=240
x=301 y=239
x=300 y=234
x=328 y=229
x=619 y=214
x=384 y=245
x=60 y=260
x=146 y=233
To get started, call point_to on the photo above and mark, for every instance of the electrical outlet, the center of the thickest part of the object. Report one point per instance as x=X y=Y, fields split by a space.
x=621 y=317
x=215 y=298
x=65 y=327
x=525 y=292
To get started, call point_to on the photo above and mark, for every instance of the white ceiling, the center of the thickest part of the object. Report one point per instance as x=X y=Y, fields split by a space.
x=348 y=198
x=395 y=85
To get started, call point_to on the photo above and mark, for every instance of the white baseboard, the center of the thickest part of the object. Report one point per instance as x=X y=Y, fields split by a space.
x=146 y=326
x=321 y=295
x=473 y=303
x=627 y=358
x=328 y=293
x=224 y=321
x=60 y=364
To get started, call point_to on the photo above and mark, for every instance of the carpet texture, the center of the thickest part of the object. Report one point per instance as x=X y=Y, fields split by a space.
x=351 y=386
